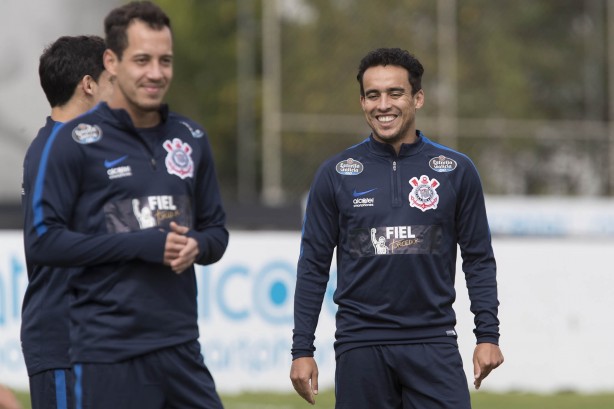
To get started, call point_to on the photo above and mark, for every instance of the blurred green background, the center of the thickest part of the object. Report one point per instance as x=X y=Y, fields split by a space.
x=479 y=400
x=522 y=86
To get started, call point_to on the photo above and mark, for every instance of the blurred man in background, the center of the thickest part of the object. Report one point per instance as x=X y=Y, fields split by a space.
x=396 y=342
x=74 y=80
x=129 y=191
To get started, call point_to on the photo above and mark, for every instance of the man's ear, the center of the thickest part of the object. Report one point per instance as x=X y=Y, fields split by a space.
x=110 y=61
x=87 y=85
x=419 y=99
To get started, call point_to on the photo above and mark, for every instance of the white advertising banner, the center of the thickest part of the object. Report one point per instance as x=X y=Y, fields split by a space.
x=556 y=314
x=245 y=306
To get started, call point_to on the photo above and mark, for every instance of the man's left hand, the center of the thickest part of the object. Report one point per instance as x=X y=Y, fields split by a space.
x=486 y=357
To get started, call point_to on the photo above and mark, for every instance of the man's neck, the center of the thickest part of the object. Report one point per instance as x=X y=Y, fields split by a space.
x=67 y=112
x=140 y=118
x=72 y=109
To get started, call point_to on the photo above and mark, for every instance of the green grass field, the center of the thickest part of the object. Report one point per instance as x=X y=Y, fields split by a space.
x=481 y=400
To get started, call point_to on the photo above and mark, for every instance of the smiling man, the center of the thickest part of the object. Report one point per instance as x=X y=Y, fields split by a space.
x=396 y=341
x=129 y=192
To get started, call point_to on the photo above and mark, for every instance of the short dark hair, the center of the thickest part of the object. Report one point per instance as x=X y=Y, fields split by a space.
x=117 y=21
x=392 y=56
x=65 y=62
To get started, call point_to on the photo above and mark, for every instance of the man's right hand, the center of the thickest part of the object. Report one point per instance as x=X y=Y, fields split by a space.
x=175 y=242
x=304 y=376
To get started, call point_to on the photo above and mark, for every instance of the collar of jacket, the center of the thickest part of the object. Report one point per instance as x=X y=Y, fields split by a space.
x=122 y=118
x=407 y=149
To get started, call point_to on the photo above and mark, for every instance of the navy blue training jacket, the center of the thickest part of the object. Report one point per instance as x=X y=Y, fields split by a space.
x=44 y=316
x=395 y=221
x=104 y=197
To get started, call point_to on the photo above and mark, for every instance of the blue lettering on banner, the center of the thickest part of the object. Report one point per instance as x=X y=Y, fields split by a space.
x=3 y=300
x=271 y=289
x=252 y=355
x=13 y=282
x=11 y=359
x=271 y=298
x=236 y=315
x=12 y=289
x=257 y=355
x=236 y=293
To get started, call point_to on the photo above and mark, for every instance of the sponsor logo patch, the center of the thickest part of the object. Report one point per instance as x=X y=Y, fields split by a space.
x=349 y=167
x=86 y=133
x=119 y=172
x=154 y=210
x=360 y=199
x=391 y=240
x=442 y=164
x=147 y=212
x=424 y=194
x=364 y=202
x=179 y=160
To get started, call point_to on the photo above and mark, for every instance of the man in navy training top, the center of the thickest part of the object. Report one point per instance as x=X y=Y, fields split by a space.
x=395 y=207
x=129 y=191
x=74 y=80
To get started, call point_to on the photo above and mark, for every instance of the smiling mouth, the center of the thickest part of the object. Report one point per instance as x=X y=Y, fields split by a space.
x=386 y=118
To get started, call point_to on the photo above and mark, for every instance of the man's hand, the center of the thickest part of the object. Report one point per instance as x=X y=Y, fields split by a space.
x=304 y=376
x=486 y=357
x=174 y=244
x=180 y=252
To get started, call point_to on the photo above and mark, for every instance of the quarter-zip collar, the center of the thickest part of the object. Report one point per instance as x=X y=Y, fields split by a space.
x=122 y=119
x=407 y=149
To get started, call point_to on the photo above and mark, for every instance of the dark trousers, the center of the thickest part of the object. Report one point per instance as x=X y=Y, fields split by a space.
x=411 y=376
x=171 y=378
x=52 y=389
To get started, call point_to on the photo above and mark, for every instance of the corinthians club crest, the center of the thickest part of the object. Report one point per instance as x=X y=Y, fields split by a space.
x=424 y=194
x=178 y=160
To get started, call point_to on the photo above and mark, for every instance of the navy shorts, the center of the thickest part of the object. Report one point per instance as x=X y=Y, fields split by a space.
x=171 y=378
x=52 y=389
x=412 y=376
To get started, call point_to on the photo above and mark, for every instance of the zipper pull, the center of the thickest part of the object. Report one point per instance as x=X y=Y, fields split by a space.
x=153 y=163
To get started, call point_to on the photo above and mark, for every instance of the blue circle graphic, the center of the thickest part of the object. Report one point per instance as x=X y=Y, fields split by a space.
x=279 y=293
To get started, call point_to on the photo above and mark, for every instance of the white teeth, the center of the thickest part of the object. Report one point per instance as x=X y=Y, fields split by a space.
x=387 y=118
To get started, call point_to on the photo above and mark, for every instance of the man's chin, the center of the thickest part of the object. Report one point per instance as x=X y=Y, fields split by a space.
x=150 y=106
x=387 y=138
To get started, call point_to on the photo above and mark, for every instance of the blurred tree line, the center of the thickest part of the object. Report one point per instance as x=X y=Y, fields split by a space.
x=520 y=85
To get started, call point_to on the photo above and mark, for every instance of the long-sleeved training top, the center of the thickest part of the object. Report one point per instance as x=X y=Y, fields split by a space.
x=104 y=197
x=44 y=317
x=395 y=221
